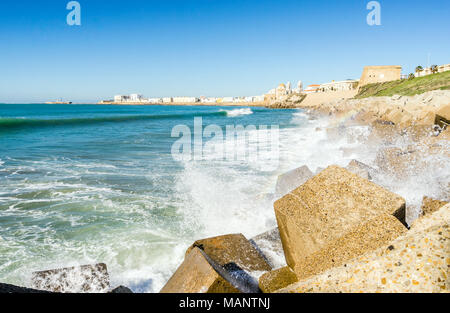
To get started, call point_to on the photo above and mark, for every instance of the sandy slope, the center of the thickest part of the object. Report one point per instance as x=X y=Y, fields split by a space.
x=316 y=99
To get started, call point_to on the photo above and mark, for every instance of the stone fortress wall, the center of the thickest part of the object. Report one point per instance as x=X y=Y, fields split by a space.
x=380 y=74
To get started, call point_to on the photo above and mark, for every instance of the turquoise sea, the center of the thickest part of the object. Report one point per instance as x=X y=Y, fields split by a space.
x=83 y=184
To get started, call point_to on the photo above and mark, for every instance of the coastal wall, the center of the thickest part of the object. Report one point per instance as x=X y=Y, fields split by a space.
x=379 y=74
x=316 y=99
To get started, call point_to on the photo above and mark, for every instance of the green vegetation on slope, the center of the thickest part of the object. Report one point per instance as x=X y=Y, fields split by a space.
x=406 y=87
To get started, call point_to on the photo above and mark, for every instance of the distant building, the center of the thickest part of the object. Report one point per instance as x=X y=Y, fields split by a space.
x=299 y=88
x=185 y=99
x=380 y=74
x=443 y=68
x=227 y=99
x=312 y=88
x=427 y=71
x=121 y=98
x=339 y=86
x=154 y=100
x=167 y=100
x=258 y=99
x=270 y=95
x=240 y=100
x=281 y=91
x=209 y=100
x=134 y=97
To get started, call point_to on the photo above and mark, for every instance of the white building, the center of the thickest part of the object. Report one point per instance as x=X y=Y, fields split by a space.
x=209 y=100
x=167 y=100
x=134 y=97
x=288 y=88
x=312 y=88
x=299 y=88
x=443 y=68
x=155 y=100
x=121 y=98
x=185 y=99
x=258 y=99
x=427 y=71
x=240 y=100
x=227 y=99
x=344 y=85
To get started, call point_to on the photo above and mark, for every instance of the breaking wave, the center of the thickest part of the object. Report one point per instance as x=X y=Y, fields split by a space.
x=19 y=123
x=238 y=112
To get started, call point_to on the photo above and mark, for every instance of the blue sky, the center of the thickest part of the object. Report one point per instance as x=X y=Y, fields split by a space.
x=206 y=47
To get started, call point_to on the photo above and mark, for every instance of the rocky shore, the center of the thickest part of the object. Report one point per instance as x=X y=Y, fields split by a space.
x=340 y=229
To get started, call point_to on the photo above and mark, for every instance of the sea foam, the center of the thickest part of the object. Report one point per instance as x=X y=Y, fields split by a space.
x=238 y=112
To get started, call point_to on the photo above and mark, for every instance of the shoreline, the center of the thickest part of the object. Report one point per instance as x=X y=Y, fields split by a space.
x=230 y=104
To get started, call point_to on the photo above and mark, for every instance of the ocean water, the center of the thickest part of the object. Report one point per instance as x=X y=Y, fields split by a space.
x=82 y=184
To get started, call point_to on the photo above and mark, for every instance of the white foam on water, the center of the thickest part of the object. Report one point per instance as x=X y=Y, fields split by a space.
x=238 y=112
x=430 y=178
x=316 y=149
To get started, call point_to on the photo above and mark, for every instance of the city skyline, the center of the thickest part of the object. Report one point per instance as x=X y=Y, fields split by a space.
x=210 y=48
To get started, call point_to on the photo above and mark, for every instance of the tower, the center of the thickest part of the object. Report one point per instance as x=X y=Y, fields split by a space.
x=300 y=86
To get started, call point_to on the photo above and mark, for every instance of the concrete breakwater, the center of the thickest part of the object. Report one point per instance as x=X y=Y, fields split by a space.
x=344 y=229
x=354 y=241
x=338 y=230
x=337 y=227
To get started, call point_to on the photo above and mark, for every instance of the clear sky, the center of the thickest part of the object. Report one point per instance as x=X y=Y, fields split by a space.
x=206 y=47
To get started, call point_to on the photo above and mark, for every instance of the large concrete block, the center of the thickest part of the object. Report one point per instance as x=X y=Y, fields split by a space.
x=416 y=262
x=79 y=279
x=197 y=275
x=430 y=205
x=360 y=169
x=232 y=249
x=366 y=237
x=236 y=259
x=277 y=279
x=291 y=180
x=326 y=208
